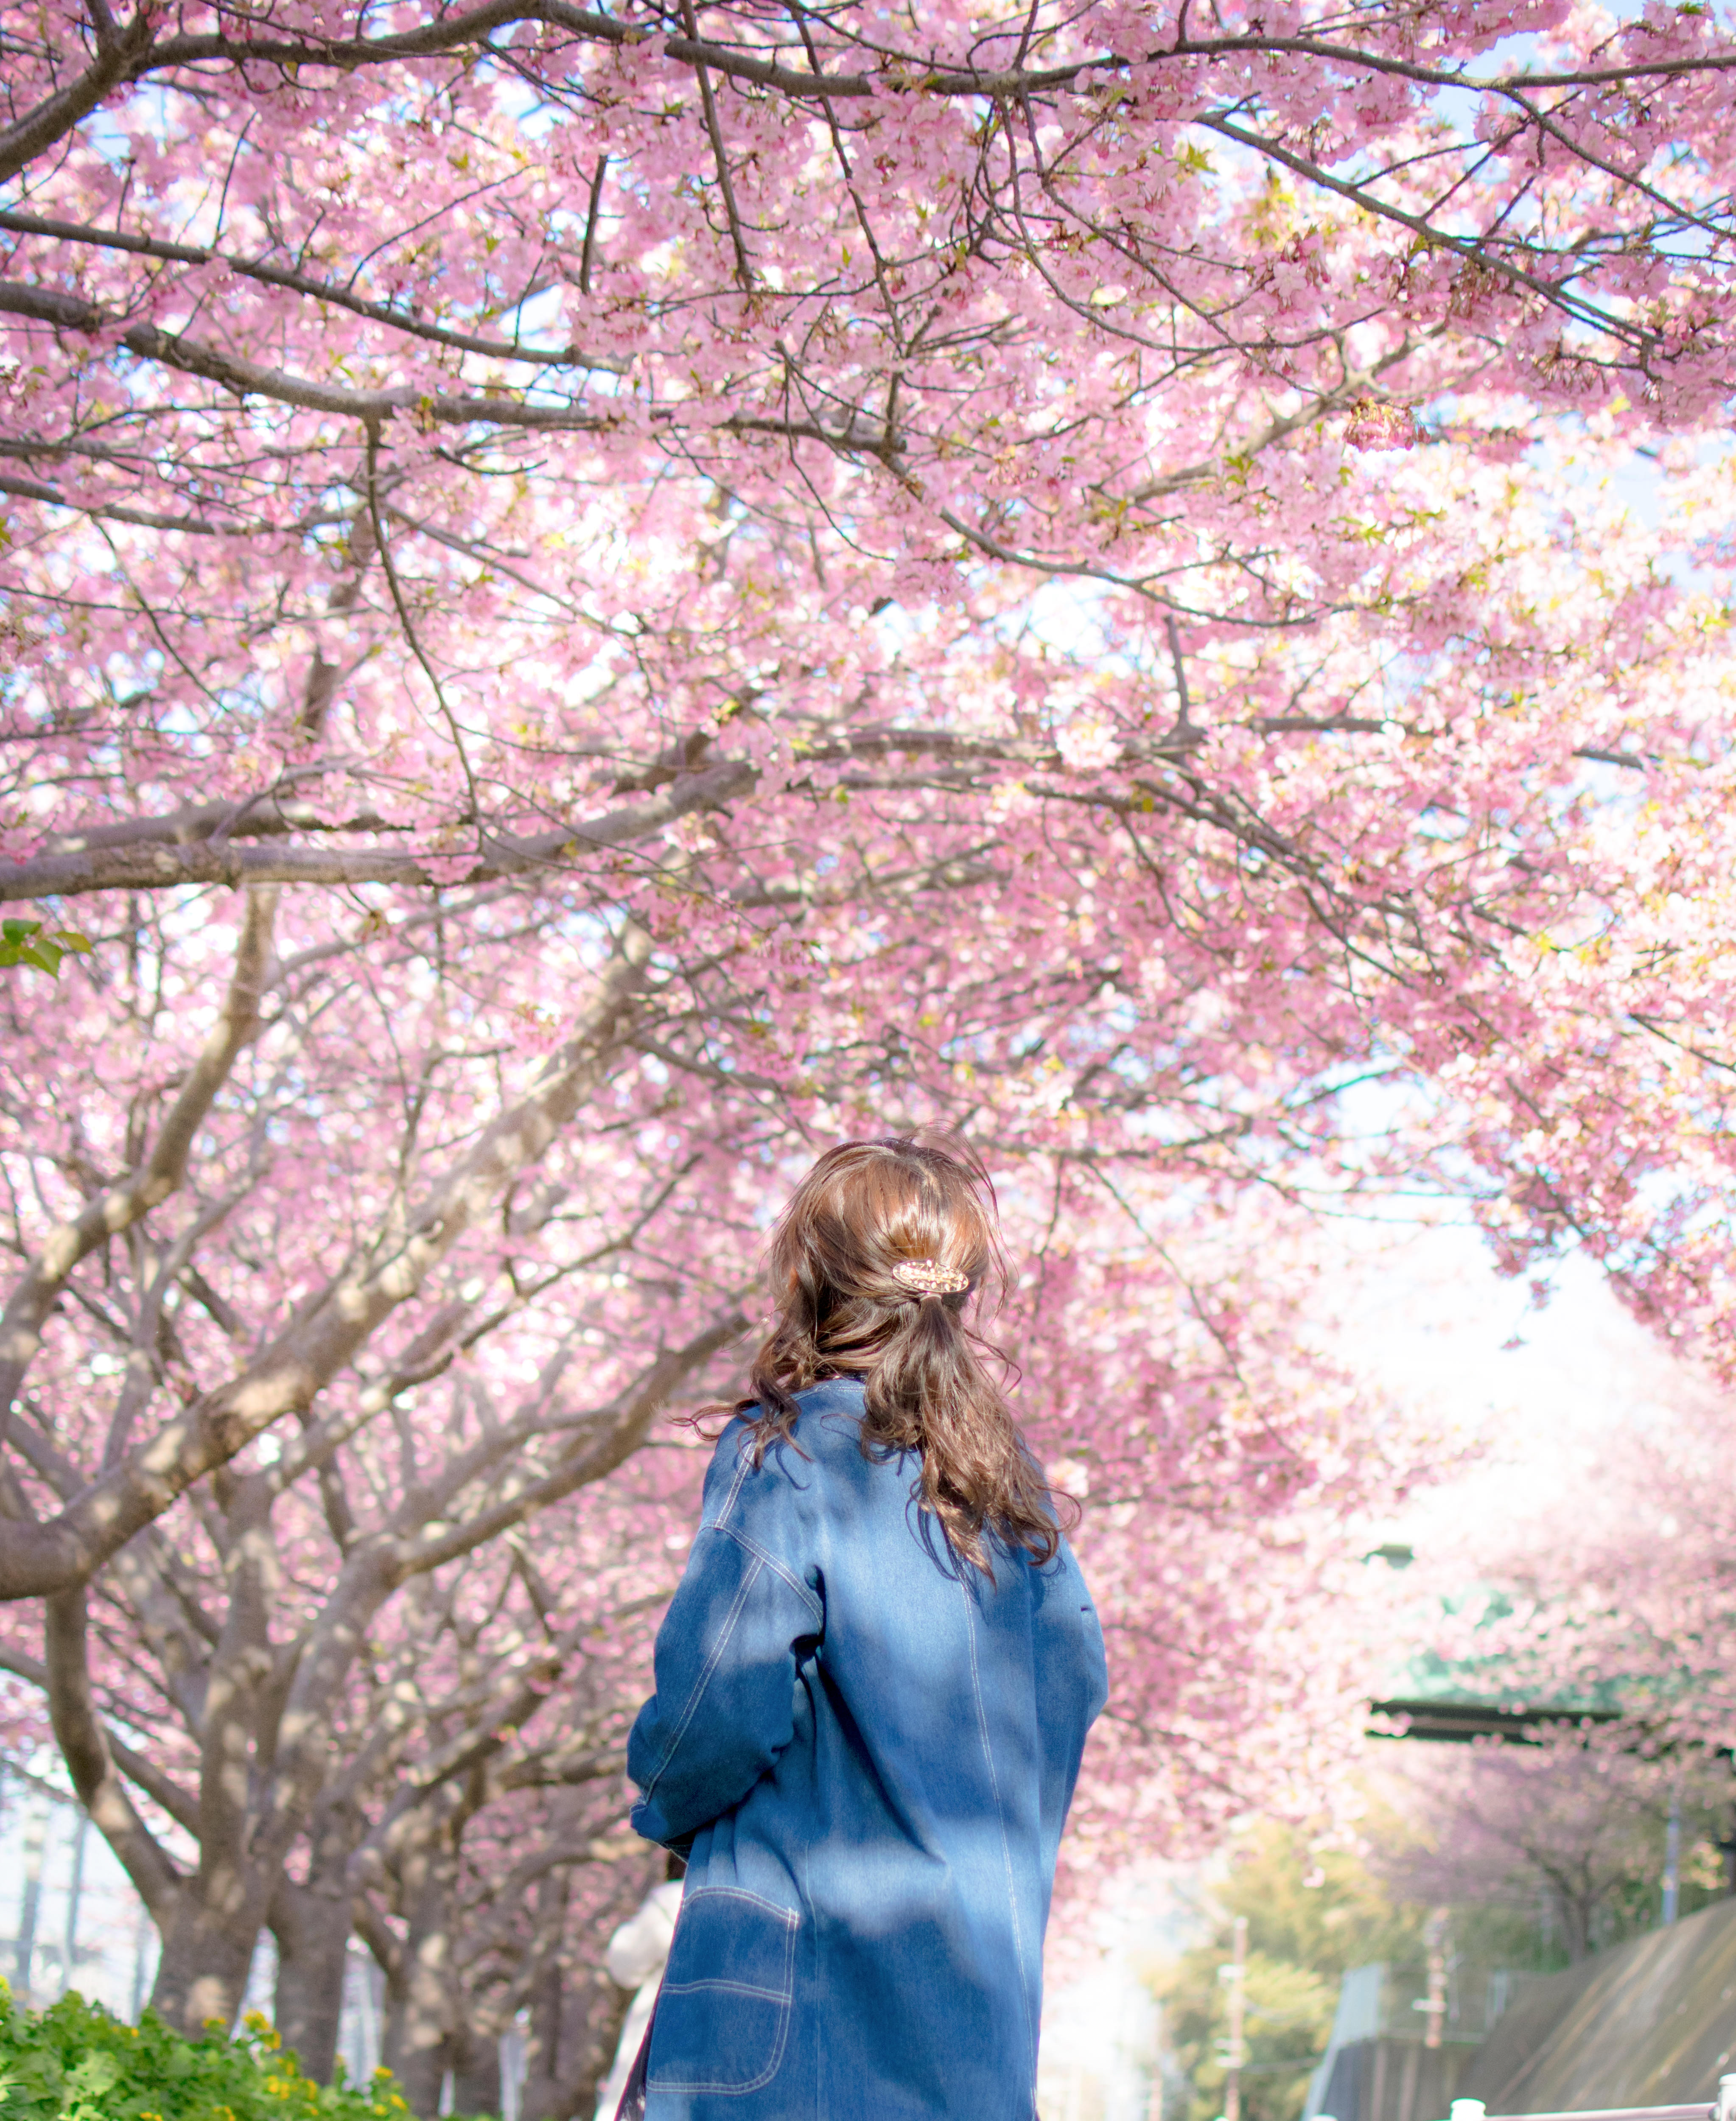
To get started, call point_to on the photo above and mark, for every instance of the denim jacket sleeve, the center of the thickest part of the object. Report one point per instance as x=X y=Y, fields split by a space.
x=728 y=1654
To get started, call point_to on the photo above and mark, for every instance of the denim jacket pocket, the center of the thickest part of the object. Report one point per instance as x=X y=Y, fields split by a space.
x=723 y=2012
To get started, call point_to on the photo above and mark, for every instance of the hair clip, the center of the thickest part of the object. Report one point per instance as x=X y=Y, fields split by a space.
x=927 y=1277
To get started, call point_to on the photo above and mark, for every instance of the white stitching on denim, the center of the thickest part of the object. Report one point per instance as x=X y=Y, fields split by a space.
x=788 y=1916
x=791 y=1921
x=742 y=1461
x=734 y=1988
x=733 y=2091
x=703 y=1680
x=802 y=1590
x=735 y=1614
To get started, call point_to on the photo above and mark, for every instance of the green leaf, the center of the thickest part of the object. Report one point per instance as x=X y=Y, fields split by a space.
x=74 y=2062
x=23 y=943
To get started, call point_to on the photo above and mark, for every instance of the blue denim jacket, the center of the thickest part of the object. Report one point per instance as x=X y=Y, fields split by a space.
x=867 y=1751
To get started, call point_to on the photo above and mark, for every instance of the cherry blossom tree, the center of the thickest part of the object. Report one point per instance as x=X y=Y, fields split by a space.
x=1620 y=1596
x=229 y=1622
x=594 y=601
x=1573 y=1824
x=1611 y=1595
x=586 y=555
x=377 y=1670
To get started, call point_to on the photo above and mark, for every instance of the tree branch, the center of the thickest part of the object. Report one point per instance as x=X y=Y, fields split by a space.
x=146 y=518
x=136 y=1766
x=116 y=1207
x=84 y=1746
x=745 y=274
x=321 y=290
x=592 y=1455
x=39 y=1559
x=147 y=865
x=247 y=378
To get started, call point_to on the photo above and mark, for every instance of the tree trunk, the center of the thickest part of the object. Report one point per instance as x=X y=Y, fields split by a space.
x=312 y=1929
x=540 y=2099
x=1576 y=1915
x=416 y=2047
x=541 y=2046
x=421 y=2013
x=574 y=2025
x=313 y=1924
x=576 y=2011
x=208 y=1941
x=609 y=2005
x=476 y=2075
x=208 y=1954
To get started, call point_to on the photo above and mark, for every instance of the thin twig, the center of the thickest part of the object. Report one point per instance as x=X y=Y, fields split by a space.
x=1184 y=717
x=744 y=264
x=590 y=250
x=412 y=637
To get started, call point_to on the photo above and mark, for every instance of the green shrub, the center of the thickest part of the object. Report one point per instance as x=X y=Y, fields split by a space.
x=72 y=2061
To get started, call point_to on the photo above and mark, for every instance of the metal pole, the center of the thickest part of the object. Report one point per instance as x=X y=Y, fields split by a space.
x=1155 y=2083
x=38 y=1826
x=1237 y=1974
x=1434 y=1942
x=141 y=1945
x=75 y=1894
x=1672 y=1861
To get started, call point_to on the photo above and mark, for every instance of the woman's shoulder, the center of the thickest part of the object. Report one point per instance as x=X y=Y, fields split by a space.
x=827 y=1414
x=751 y=1454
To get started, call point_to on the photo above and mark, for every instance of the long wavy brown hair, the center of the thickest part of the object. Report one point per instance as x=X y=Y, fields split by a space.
x=931 y=1384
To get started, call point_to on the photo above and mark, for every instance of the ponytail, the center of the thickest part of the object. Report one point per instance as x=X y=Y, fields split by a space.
x=872 y=1266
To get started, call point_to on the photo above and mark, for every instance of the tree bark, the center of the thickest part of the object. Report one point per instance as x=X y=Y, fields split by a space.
x=84 y=1746
x=208 y=1946
x=115 y=1208
x=601 y=2014
x=39 y=1559
x=575 y=2027
x=476 y=2075
x=208 y=1952
x=541 y=2086
x=311 y=1925
x=422 y=2003
x=146 y=863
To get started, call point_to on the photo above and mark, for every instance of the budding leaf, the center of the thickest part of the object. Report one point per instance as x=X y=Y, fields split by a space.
x=23 y=943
